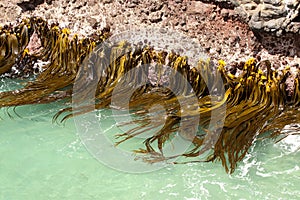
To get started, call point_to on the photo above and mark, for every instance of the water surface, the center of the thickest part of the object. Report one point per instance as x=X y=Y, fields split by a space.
x=42 y=160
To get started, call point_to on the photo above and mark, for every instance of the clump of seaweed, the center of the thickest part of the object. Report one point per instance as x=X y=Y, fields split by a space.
x=254 y=102
x=13 y=42
x=63 y=53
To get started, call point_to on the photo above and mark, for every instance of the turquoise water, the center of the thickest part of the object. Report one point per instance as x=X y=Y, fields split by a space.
x=42 y=160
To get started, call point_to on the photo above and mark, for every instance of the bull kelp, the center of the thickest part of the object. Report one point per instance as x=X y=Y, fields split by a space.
x=255 y=103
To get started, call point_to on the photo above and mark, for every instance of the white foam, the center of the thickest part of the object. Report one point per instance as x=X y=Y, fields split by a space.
x=290 y=144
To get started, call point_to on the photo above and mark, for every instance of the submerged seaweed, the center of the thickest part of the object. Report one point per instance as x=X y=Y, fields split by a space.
x=254 y=102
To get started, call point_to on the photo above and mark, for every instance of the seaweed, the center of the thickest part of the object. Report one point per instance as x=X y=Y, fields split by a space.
x=253 y=103
x=64 y=56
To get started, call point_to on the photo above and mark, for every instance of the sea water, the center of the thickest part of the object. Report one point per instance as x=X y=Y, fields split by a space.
x=44 y=160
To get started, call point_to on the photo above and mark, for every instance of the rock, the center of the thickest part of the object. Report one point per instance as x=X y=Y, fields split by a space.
x=270 y=15
x=9 y=11
x=107 y=1
x=131 y=5
x=114 y=13
x=93 y=23
x=156 y=6
x=223 y=3
x=92 y=3
x=225 y=14
x=197 y=7
x=155 y=17
x=29 y=5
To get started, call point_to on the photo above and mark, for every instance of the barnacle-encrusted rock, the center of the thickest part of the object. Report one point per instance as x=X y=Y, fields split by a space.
x=216 y=24
x=9 y=11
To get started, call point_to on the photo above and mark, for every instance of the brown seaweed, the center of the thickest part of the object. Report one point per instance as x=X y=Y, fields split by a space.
x=254 y=102
x=64 y=56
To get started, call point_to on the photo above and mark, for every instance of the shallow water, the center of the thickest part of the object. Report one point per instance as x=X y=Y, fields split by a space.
x=42 y=160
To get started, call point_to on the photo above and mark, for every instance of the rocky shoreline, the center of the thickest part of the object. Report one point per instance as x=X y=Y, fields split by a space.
x=230 y=30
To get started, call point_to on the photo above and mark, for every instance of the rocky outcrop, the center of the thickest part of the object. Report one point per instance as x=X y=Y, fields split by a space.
x=232 y=30
x=271 y=15
x=276 y=16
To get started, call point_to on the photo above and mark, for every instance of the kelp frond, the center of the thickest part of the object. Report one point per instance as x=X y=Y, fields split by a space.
x=253 y=102
x=64 y=54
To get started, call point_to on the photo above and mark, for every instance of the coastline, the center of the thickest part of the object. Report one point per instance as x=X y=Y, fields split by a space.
x=224 y=29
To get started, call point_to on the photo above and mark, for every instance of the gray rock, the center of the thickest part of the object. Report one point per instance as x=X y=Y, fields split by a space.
x=270 y=15
x=29 y=5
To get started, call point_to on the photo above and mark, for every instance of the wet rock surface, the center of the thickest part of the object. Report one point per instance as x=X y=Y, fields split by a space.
x=232 y=30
